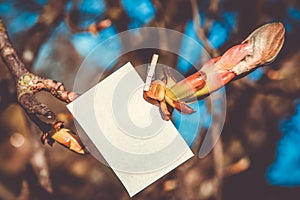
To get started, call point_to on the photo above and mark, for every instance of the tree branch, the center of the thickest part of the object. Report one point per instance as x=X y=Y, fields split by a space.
x=39 y=161
x=49 y=18
x=199 y=30
x=94 y=28
x=28 y=84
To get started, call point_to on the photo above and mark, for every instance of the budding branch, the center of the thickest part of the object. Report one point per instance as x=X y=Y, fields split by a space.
x=28 y=84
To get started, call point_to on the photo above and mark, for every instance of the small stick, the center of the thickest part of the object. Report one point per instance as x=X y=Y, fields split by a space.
x=151 y=71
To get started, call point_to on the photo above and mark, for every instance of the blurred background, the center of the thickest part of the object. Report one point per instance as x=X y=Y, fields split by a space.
x=258 y=153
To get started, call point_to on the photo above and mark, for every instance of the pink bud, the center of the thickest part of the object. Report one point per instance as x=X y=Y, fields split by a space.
x=264 y=45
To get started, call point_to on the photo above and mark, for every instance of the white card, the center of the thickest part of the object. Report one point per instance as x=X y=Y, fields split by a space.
x=129 y=132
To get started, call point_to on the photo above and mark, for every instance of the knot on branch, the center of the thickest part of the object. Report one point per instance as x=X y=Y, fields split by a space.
x=26 y=88
x=24 y=85
x=29 y=84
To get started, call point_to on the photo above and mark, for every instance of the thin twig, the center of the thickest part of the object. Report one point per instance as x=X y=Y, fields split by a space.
x=199 y=30
x=39 y=162
x=50 y=17
x=25 y=193
x=212 y=13
x=94 y=28
x=218 y=165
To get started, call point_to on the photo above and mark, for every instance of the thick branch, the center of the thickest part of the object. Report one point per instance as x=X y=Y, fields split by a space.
x=9 y=56
x=29 y=84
